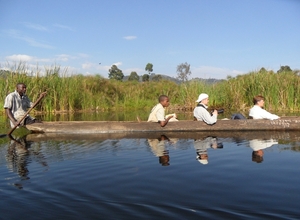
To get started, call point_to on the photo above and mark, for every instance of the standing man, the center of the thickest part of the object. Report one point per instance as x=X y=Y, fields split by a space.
x=201 y=113
x=158 y=112
x=257 y=111
x=16 y=105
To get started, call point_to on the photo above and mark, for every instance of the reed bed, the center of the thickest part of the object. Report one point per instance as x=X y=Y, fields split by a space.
x=68 y=92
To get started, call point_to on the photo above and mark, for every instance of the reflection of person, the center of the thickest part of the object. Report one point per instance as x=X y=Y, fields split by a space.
x=257 y=111
x=17 y=154
x=158 y=112
x=201 y=113
x=257 y=146
x=201 y=146
x=18 y=157
x=158 y=147
x=16 y=105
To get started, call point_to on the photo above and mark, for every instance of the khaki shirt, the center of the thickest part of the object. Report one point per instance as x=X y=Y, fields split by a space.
x=157 y=113
x=17 y=104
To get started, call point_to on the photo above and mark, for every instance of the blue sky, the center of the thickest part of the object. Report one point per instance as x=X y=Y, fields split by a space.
x=216 y=37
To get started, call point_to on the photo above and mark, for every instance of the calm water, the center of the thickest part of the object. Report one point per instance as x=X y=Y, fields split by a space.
x=151 y=177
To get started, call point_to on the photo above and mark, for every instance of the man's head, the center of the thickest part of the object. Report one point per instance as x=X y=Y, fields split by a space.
x=203 y=98
x=164 y=160
x=259 y=100
x=21 y=88
x=257 y=156
x=164 y=100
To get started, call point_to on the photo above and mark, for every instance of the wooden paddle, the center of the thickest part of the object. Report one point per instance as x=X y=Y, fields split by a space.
x=29 y=110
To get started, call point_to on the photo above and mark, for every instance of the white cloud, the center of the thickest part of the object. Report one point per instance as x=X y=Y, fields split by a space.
x=83 y=55
x=94 y=67
x=35 y=26
x=19 y=57
x=63 y=27
x=213 y=72
x=117 y=63
x=87 y=65
x=63 y=57
x=18 y=35
x=26 y=58
x=130 y=37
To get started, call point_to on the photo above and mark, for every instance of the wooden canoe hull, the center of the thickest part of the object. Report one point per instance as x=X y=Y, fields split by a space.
x=107 y=127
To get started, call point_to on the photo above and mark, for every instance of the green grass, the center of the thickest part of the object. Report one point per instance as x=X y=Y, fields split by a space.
x=68 y=92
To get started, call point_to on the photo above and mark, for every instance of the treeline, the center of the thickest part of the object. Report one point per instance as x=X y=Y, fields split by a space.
x=83 y=93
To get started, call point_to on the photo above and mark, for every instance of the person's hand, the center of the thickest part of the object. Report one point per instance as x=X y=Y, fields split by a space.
x=43 y=94
x=215 y=112
x=15 y=122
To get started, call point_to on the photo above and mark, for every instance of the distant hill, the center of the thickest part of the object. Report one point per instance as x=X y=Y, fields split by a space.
x=208 y=81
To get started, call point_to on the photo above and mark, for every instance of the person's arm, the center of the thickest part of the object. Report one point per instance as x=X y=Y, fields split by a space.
x=11 y=116
x=267 y=115
x=204 y=115
x=165 y=122
x=210 y=119
x=160 y=114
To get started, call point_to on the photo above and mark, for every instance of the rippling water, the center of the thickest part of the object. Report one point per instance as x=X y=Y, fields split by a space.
x=149 y=178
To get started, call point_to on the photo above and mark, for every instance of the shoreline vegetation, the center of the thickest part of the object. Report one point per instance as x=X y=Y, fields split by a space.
x=67 y=93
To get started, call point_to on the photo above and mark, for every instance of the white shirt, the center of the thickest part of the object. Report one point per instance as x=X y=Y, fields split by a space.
x=256 y=112
x=201 y=114
x=257 y=144
x=17 y=104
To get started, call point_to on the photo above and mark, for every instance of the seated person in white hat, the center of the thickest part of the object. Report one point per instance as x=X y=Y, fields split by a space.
x=201 y=113
x=158 y=112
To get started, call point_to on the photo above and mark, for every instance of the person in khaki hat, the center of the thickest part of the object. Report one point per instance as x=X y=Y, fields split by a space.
x=201 y=113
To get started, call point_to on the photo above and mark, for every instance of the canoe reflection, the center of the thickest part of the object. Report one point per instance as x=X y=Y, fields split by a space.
x=201 y=146
x=258 y=145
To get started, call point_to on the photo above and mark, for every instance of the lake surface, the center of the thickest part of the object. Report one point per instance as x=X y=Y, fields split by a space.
x=153 y=176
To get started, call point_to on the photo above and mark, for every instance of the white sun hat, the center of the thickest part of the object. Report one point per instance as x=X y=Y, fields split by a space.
x=201 y=97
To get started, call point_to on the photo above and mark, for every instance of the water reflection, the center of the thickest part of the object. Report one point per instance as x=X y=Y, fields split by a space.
x=159 y=149
x=202 y=145
x=258 y=145
x=18 y=157
x=114 y=176
x=17 y=154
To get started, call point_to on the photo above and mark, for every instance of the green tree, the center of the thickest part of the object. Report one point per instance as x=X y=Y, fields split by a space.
x=149 y=68
x=284 y=69
x=115 y=73
x=145 y=78
x=183 y=71
x=262 y=70
x=133 y=77
x=157 y=78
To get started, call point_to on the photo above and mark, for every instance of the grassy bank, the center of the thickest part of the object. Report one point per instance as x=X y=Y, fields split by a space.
x=67 y=92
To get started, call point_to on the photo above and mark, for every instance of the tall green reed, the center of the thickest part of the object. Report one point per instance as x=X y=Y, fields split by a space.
x=67 y=92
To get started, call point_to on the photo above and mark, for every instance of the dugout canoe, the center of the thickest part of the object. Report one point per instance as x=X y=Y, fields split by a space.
x=107 y=127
